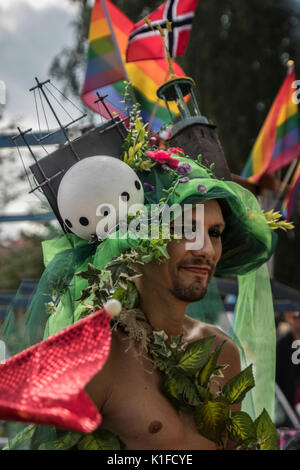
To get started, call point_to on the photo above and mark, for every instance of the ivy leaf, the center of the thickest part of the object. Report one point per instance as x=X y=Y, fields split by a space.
x=241 y=427
x=85 y=294
x=128 y=296
x=104 y=279
x=91 y=274
x=160 y=362
x=266 y=432
x=211 y=418
x=100 y=440
x=210 y=366
x=196 y=355
x=118 y=269
x=159 y=338
x=237 y=387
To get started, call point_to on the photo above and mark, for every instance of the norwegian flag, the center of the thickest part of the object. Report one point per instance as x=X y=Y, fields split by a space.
x=144 y=43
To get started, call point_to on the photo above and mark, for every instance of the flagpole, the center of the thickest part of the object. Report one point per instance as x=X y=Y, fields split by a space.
x=170 y=70
x=285 y=181
x=156 y=104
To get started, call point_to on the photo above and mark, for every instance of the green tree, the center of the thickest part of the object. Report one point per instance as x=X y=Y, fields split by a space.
x=17 y=264
x=236 y=56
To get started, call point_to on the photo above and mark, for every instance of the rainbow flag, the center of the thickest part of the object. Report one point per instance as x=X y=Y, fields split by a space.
x=278 y=142
x=104 y=62
x=106 y=68
x=289 y=206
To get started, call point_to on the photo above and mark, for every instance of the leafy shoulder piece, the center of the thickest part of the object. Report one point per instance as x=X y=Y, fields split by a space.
x=188 y=372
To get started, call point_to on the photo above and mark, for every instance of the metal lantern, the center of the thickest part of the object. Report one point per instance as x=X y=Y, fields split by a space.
x=190 y=129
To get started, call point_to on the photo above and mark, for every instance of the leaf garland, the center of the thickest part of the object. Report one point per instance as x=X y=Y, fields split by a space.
x=188 y=370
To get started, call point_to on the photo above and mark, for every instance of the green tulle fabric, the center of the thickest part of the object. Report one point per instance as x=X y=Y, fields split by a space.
x=247 y=245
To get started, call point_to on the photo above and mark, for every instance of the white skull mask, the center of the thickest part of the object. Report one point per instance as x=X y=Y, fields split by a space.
x=92 y=188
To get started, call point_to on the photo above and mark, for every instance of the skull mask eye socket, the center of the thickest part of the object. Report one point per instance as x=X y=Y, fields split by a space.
x=84 y=221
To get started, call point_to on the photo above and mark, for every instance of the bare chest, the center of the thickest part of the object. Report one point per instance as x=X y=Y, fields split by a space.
x=142 y=416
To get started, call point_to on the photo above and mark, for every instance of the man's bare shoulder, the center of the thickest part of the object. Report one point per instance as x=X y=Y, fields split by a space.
x=195 y=329
x=100 y=386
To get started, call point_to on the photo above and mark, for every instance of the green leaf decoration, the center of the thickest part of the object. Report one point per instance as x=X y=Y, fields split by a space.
x=196 y=355
x=181 y=381
x=85 y=294
x=160 y=362
x=22 y=440
x=65 y=441
x=100 y=440
x=191 y=394
x=211 y=418
x=160 y=338
x=184 y=386
x=170 y=388
x=241 y=427
x=210 y=366
x=129 y=296
x=237 y=387
x=118 y=270
x=199 y=158
x=218 y=370
x=91 y=274
x=266 y=432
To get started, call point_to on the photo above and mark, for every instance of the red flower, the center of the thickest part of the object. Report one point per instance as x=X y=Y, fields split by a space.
x=161 y=156
x=176 y=150
x=173 y=162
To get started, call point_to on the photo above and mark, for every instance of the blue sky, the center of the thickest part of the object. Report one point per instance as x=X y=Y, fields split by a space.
x=32 y=33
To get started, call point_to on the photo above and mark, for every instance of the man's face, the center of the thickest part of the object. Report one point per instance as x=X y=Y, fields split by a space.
x=187 y=273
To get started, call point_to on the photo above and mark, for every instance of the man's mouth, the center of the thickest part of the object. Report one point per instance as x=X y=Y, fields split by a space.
x=200 y=270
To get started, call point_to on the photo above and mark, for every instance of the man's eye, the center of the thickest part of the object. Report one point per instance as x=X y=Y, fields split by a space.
x=215 y=233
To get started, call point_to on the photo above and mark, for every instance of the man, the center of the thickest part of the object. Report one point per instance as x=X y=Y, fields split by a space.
x=127 y=391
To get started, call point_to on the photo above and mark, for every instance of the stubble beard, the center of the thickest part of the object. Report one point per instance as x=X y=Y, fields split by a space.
x=189 y=293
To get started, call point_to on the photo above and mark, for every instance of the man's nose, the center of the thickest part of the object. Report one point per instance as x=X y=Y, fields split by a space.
x=207 y=249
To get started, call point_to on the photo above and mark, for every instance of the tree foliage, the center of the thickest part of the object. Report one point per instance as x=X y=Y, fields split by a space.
x=22 y=263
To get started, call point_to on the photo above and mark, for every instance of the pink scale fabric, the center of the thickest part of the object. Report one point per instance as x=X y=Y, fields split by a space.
x=44 y=384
